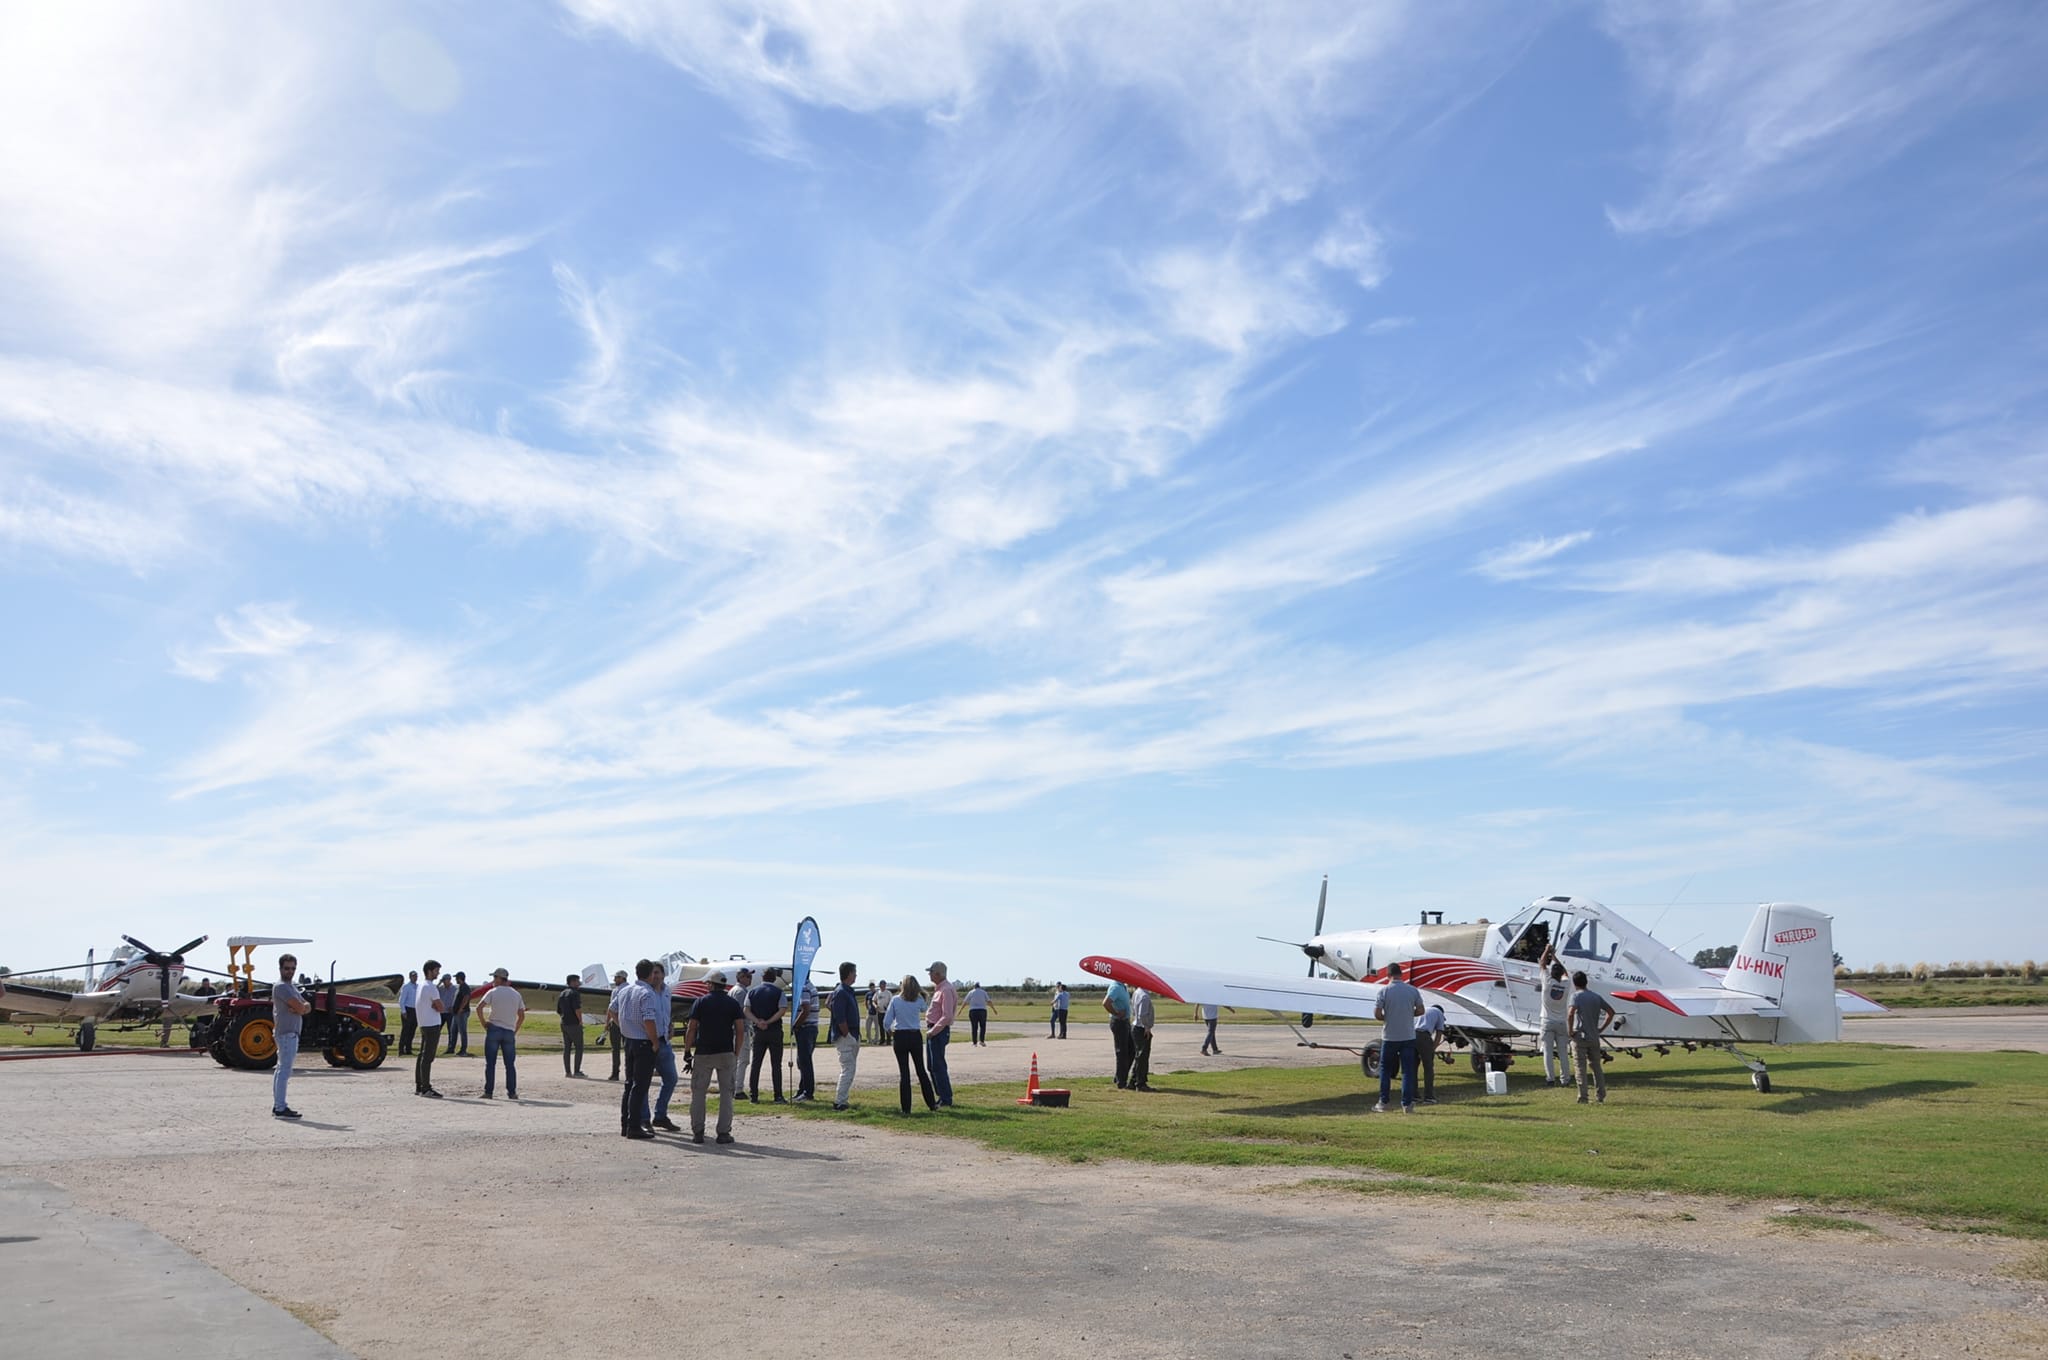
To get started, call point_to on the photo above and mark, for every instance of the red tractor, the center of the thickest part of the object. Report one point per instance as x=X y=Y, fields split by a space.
x=347 y=1030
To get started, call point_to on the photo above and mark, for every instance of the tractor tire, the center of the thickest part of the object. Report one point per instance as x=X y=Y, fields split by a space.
x=88 y=1035
x=335 y=1057
x=1370 y=1061
x=253 y=1043
x=365 y=1051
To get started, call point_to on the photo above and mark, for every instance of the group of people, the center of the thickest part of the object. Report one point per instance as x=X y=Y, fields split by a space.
x=441 y=1003
x=457 y=999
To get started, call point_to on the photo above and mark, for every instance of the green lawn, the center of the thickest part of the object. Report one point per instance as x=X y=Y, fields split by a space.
x=1905 y=994
x=1955 y=1139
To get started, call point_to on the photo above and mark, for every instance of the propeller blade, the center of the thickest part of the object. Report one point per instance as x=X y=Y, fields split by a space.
x=1322 y=901
x=142 y=948
x=43 y=972
x=1274 y=939
x=182 y=950
x=1315 y=952
x=163 y=984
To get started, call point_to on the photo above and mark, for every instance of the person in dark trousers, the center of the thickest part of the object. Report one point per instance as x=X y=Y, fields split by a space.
x=765 y=1009
x=1056 y=1025
x=803 y=1030
x=408 y=1023
x=457 y=1021
x=978 y=1011
x=636 y=1026
x=1429 y=1034
x=430 y=1008
x=1117 y=1001
x=1399 y=1007
x=711 y=1042
x=569 y=1006
x=1141 y=1040
x=611 y=1022
x=905 y=1022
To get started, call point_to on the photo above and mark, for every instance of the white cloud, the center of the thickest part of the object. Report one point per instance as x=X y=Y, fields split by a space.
x=260 y=631
x=1765 y=97
x=43 y=519
x=1518 y=561
x=1354 y=247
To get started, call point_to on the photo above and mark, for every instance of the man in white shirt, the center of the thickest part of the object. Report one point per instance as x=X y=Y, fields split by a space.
x=428 y=1009
x=1557 y=1040
x=408 y=1023
x=741 y=989
x=501 y=1033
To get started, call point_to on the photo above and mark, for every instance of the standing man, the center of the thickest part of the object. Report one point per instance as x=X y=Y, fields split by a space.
x=1429 y=1035
x=636 y=1029
x=458 y=1019
x=1557 y=1042
x=803 y=1028
x=1210 y=1013
x=446 y=987
x=408 y=1023
x=569 y=1006
x=740 y=993
x=1591 y=1015
x=1117 y=1001
x=429 y=1009
x=662 y=1011
x=1141 y=1040
x=711 y=1041
x=1400 y=1005
x=765 y=1009
x=501 y=1033
x=878 y=1002
x=286 y=1008
x=978 y=1012
x=845 y=1019
x=1056 y=1027
x=938 y=1029
x=611 y=1022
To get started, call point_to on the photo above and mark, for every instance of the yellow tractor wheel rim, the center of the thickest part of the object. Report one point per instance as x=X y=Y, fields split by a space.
x=366 y=1047
x=258 y=1040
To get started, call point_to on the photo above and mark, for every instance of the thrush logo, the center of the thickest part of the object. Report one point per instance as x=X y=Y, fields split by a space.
x=1799 y=936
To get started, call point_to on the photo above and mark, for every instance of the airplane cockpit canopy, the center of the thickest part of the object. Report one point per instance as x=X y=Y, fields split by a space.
x=1533 y=930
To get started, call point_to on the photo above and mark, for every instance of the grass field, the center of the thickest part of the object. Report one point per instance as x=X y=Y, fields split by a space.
x=1957 y=1140
x=1905 y=994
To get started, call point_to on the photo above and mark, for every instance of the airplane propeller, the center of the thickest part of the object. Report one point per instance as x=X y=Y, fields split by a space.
x=163 y=962
x=1315 y=951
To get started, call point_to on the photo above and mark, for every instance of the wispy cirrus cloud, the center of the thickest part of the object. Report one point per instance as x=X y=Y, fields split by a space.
x=1521 y=560
x=1762 y=99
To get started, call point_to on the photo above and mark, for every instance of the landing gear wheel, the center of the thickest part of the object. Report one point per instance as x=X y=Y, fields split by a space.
x=1370 y=1061
x=366 y=1051
x=1762 y=1081
x=88 y=1035
x=253 y=1042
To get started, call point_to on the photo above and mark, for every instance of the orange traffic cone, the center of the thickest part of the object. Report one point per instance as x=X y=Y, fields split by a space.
x=1031 y=1086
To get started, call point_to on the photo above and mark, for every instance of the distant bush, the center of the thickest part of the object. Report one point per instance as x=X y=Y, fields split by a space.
x=1921 y=972
x=1996 y=970
x=2030 y=971
x=1877 y=970
x=1841 y=970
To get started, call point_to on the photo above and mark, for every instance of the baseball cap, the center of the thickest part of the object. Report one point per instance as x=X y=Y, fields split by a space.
x=717 y=978
x=935 y=966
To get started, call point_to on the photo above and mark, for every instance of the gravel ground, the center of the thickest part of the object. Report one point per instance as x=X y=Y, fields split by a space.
x=551 y=1231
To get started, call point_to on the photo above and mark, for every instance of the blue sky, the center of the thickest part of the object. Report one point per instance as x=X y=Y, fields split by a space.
x=542 y=484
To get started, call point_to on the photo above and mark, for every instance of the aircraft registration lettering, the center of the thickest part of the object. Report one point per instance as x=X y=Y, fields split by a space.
x=1762 y=967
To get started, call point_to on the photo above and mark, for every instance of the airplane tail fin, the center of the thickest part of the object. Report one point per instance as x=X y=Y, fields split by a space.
x=1788 y=956
x=594 y=975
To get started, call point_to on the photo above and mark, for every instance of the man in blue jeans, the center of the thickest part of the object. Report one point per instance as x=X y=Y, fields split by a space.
x=286 y=1009
x=658 y=1002
x=938 y=1026
x=501 y=1034
x=1399 y=1007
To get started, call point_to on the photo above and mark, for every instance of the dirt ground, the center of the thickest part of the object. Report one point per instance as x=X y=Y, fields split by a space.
x=544 y=1229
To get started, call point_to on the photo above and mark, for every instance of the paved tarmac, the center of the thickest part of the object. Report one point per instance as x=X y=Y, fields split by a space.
x=78 y=1283
x=1976 y=1029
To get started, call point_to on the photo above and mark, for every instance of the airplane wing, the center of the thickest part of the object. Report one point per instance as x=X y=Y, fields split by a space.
x=21 y=998
x=1294 y=996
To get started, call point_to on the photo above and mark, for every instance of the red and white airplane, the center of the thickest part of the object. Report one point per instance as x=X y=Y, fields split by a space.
x=1487 y=978
x=138 y=987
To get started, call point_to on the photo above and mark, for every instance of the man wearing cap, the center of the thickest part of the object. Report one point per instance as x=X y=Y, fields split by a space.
x=1117 y=1001
x=938 y=1031
x=501 y=1033
x=711 y=1044
x=611 y=1021
x=844 y=1005
x=636 y=1027
x=741 y=990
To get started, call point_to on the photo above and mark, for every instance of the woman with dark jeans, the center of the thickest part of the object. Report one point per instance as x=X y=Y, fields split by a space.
x=905 y=1022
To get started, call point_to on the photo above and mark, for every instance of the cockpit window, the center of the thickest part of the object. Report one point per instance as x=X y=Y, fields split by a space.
x=1585 y=943
x=1537 y=937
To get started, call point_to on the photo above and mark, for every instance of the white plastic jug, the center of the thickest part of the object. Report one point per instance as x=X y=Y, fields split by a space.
x=1496 y=1082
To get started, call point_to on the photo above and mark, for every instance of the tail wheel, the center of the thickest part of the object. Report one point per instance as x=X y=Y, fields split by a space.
x=366 y=1051
x=255 y=1041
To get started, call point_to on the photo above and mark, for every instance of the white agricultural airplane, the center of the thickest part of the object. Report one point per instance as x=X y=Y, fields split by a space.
x=685 y=973
x=1780 y=989
x=137 y=987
